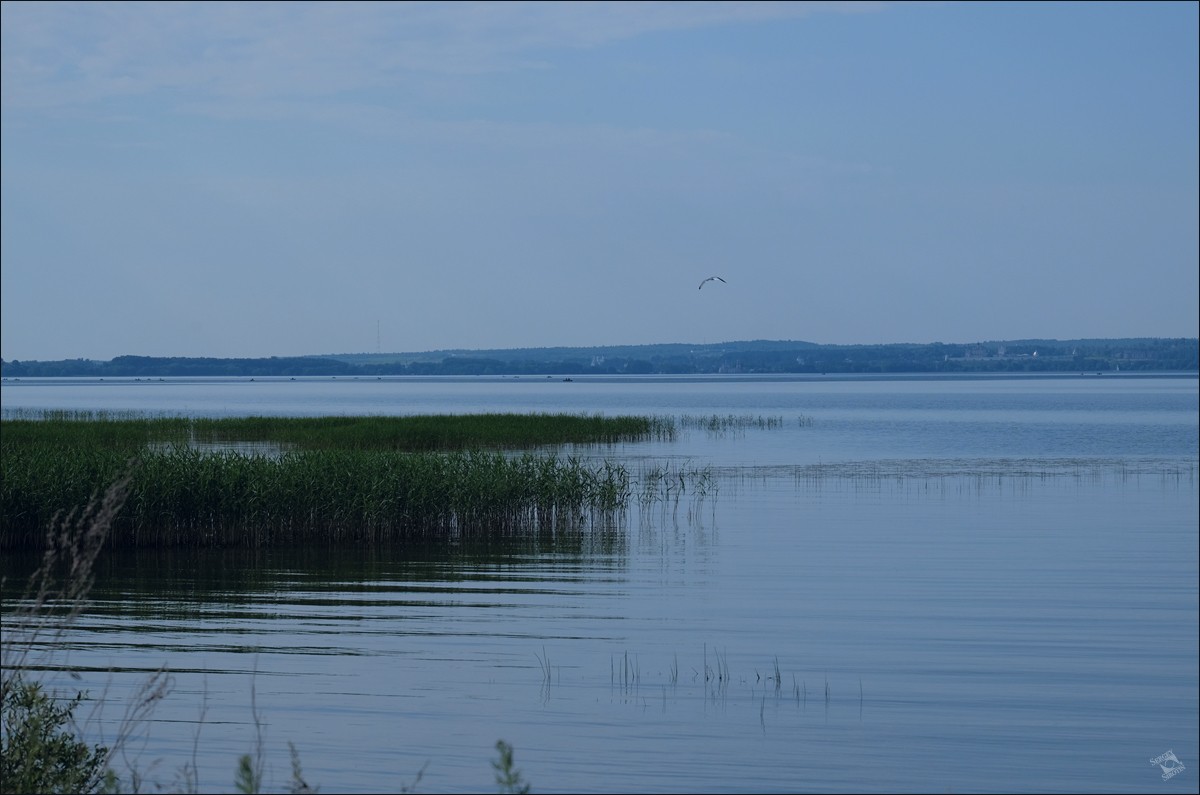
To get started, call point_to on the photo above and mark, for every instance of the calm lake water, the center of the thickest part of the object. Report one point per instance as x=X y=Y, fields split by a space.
x=910 y=584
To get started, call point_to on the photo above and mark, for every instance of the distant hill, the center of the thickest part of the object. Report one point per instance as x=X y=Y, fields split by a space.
x=752 y=356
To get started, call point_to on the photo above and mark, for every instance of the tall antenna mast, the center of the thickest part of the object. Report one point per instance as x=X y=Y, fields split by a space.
x=378 y=344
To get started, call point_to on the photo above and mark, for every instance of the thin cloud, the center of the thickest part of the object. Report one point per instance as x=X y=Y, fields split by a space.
x=63 y=54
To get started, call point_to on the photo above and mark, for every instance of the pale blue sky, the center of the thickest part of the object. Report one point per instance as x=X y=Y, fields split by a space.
x=259 y=179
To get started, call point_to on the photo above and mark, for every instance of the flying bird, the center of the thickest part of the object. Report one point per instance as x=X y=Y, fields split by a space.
x=709 y=279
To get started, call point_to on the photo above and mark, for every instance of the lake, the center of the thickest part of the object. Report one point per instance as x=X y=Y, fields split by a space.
x=893 y=584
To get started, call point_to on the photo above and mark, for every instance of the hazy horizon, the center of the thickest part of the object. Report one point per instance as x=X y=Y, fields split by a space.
x=245 y=180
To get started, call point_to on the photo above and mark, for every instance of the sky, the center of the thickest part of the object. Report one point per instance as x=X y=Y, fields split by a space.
x=278 y=179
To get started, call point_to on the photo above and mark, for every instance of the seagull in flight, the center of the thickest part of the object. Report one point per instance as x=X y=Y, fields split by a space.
x=709 y=279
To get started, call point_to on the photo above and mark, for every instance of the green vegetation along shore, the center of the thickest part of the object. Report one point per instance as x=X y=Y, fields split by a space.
x=256 y=482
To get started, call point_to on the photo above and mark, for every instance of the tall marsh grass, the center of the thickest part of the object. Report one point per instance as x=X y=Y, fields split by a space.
x=414 y=433
x=342 y=480
x=184 y=497
x=721 y=424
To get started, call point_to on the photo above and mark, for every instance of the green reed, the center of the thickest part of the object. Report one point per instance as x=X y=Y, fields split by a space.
x=185 y=497
x=433 y=432
x=335 y=481
x=717 y=424
x=667 y=484
x=412 y=433
x=88 y=430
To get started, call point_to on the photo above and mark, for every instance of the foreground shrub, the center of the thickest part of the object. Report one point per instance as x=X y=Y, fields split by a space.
x=40 y=750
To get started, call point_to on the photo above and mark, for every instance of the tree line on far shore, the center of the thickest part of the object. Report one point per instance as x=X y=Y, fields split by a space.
x=761 y=356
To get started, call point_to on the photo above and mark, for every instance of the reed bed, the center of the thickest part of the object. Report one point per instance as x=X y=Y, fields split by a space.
x=723 y=424
x=92 y=430
x=977 y=471
x=434 y=432
x=345 y=480
x=184 y=497
x=993 y=469
x=410 y=433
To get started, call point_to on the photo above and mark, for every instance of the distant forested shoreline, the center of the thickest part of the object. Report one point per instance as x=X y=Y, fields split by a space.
x=758 y=356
